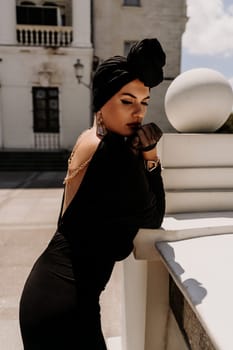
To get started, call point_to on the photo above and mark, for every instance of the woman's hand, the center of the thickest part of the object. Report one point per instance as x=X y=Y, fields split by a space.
x=145 y=140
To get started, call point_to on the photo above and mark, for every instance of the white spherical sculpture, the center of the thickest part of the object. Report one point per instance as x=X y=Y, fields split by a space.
x=198 y=100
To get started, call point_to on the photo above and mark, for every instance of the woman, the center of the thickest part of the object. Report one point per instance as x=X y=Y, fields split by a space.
x=112 y=188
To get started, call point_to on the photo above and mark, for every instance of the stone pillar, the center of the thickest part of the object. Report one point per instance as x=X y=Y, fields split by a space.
x=81 y=22
x=134 y=304
x=146 y=305
x=8 y=22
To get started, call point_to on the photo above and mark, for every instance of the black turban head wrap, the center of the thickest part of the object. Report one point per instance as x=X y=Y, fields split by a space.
x=145 y=62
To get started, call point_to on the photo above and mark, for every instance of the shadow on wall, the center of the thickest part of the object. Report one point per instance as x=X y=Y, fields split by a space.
x=194 y=288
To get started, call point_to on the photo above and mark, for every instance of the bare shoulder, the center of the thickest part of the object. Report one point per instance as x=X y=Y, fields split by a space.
x=84 y=148
x=88 y=139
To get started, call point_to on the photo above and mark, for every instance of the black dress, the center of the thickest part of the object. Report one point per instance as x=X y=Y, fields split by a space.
x=59 y=306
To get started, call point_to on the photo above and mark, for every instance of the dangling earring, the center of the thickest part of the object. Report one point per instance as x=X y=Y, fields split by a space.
x=101 y=130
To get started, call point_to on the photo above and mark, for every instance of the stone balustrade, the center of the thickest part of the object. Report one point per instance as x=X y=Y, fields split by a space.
x=49 y=36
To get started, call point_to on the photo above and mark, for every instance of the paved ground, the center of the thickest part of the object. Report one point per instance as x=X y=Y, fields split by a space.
x=29 y=207
x=27 y=179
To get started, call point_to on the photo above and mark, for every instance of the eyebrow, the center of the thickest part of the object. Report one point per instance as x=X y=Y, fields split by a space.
x=131 y=95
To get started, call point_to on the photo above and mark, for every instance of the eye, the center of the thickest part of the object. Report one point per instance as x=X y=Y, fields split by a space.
x=144 y=103
x=126 y=102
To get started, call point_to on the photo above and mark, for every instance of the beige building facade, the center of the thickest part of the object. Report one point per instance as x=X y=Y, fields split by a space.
x=42 y=105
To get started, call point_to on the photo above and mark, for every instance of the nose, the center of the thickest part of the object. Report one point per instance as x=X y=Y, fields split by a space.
x=139 y=111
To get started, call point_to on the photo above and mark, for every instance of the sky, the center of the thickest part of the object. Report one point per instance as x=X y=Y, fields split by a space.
x=208 y=38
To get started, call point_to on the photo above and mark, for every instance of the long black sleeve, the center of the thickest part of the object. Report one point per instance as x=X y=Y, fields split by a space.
x=116 y=198
x=157 y=210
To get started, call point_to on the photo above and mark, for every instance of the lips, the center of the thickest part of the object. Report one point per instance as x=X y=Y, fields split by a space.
x=134 y=126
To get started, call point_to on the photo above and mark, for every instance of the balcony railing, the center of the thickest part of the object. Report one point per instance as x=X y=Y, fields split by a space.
x=49 y=36
x=47 y=141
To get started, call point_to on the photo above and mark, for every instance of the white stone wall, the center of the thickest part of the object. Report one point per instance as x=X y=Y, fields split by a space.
x=19 y=72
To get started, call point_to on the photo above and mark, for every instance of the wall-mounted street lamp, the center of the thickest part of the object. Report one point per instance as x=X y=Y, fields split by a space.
x=78 y=70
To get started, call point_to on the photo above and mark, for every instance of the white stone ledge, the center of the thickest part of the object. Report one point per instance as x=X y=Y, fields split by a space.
x=202 y=269
x=196 y=249
x=181 y=227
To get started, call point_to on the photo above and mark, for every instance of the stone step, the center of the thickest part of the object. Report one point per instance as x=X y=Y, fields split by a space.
x=184 y=201
x=198 y=178
x=196 y=150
